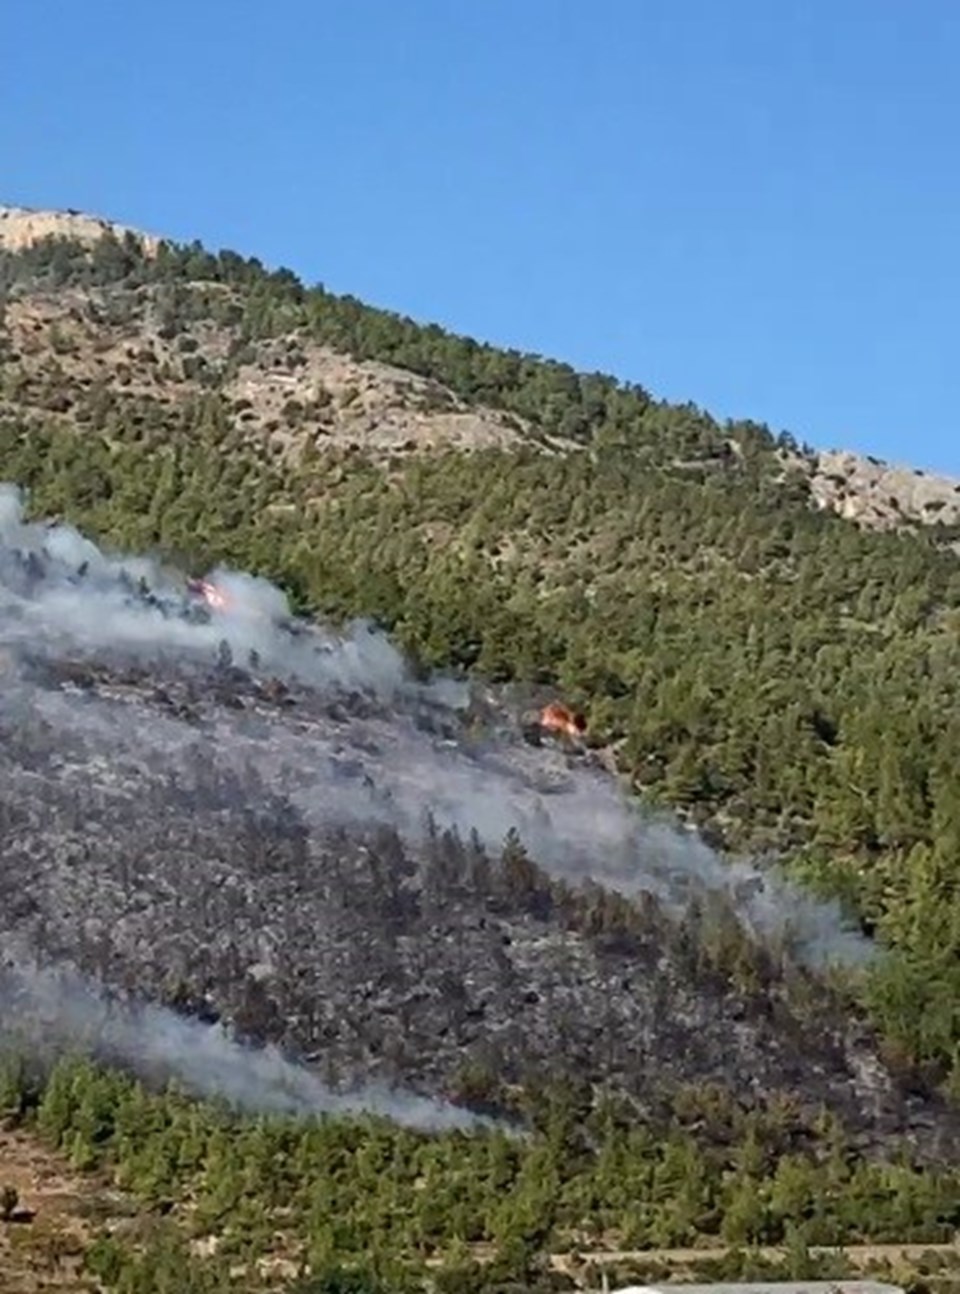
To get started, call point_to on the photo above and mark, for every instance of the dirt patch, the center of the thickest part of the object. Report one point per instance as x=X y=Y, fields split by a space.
x=75 y=351
x=42 y=1243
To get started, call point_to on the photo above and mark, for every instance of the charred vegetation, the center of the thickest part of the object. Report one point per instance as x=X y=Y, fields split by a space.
x=293 y=841
x=183 y=873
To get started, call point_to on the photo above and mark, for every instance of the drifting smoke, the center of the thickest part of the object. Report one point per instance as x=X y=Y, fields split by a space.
x=576 y=822
x=57 y=588
x=405 y=753
x=49 y=1012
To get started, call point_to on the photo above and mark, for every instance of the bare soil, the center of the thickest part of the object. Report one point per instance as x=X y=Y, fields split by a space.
x=42 y=1244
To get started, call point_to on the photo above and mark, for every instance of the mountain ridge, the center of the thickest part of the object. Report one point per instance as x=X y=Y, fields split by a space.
x=859 y=487
x=22 y=227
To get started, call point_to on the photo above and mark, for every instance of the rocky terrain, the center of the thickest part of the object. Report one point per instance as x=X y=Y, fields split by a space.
x=285 y=391
x=23 y=227
x=64 y=347
x=882 y=495
x=165 y=349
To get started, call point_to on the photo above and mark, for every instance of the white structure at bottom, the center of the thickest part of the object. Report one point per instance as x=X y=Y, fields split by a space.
x=764 y=1287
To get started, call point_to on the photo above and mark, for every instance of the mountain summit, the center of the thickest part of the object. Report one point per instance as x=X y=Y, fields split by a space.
x=22 y=227
x=859 y=487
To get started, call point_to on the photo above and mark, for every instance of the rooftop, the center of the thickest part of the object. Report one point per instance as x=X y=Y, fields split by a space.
x=766 y=1287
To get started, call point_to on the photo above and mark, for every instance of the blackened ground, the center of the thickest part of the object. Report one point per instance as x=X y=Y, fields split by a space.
x=222 y=845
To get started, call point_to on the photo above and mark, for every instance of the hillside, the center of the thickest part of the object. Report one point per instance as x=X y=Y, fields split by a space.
x=287 y=390
x=762 y=642
x=227 y=832
x=70 y=344
x=671 y=575
x=331 y=918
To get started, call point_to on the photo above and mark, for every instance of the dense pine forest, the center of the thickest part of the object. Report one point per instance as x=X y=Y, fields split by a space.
x=779 y=676
x=364 y=1206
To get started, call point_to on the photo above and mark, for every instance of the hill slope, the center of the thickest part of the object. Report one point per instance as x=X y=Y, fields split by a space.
x=780 y=676
x=361 y=404
x=224 y=818
x=277 y=829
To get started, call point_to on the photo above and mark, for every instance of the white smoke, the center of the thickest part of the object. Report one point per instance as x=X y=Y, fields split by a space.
x=59 y=589
x=581 y=825
x=53 y=1011
x=62 y=596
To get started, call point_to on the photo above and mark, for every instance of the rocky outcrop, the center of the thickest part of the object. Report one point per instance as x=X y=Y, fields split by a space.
x=881 y=495
x=22 y=227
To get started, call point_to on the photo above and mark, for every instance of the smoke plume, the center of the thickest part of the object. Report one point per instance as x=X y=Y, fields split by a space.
x=401 y=749
x=48 y=1012
x=59 y=589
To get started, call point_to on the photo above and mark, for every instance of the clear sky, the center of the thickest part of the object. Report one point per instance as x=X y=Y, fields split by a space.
x=752 y=204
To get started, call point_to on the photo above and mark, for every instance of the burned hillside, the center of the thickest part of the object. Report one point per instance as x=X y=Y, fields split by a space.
x=744 y=655
x=211 y=806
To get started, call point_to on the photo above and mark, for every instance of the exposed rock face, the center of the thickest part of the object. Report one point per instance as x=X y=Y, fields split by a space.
x=22 y=227
x=877 y=494
x=288 y=391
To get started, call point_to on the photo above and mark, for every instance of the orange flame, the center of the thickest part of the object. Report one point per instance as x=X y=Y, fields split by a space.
x=214 y=597
x=559 y=718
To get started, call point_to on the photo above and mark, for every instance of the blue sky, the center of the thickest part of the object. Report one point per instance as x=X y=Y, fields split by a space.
x=752 y=204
